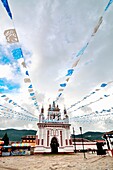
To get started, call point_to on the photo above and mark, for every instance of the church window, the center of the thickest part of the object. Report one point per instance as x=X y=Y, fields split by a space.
x=66 y=142
x=70 y=141
x=61 y=138
x=48 y=138
x=52 y=132
x=42 y=141
x=56 y=132
x=38 y=141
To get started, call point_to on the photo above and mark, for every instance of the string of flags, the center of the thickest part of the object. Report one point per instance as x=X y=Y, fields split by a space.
x=81 y=107
x=96 y=113
x=4 y=114
x=10 y=101
x=108 y=118
x=13 y=111
x=9 y=113
x=18 y=55
x=102 y=86
x=6 y=5
x=12 y=37
x=29 y=85
x=91 y=116
x=79 y=54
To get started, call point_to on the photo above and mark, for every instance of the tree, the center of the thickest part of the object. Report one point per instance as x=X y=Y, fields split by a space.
x=6 y=139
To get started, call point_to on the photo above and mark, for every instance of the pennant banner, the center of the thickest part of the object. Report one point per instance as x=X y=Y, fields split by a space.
x=70 y=72
x=94 y=92
x=32 y=94
x=67 y=79
x=103 y=113
x=109 y=3
x=17 y=53
x=75 y=63
x=7 y=99
x=81 y=107
x=63 y=85
x=23 y=64
x=30 y=90
x=27 y=73
x=94 y=119
x=103 y=85
x=98 y=25
x=60 y=89
x=11 y=36
x=30 y=86
x=6 y=5
x=82 y=50
x=59 y=94
x=17 y=116
x=9 y=112
x=27 y=80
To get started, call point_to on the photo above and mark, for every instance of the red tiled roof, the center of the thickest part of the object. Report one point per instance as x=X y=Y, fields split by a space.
x=80 y=140
x=100 y=141
x=109 y=133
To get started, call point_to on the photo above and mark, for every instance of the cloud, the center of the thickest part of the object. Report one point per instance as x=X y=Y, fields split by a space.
x=86 y=109
x=50 y=35
x=6 y=71
x=7 y=86
x=40 y=97
x=19 y=124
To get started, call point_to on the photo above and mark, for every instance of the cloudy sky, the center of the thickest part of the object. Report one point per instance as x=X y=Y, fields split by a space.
x=51 y=33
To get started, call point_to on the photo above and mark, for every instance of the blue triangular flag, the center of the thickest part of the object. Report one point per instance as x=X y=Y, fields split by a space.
x=30 y=86
x=70 y=72
x=93 y=92
x=32 y=94
x=106 y=95
x=109 y=3
x=59 y=94
x=10 y=101
x=3 y=96
x=6 y=5
x=63 y=85
x=82 y=50
x=103 y=85
x=27 y=73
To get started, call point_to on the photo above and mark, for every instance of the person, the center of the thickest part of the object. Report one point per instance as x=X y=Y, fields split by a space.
x=100 y=150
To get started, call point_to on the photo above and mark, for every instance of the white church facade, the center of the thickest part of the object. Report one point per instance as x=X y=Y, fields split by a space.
x=53 y=135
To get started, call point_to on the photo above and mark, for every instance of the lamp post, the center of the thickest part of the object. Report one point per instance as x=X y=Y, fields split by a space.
x=74 y=140
x=82 y=142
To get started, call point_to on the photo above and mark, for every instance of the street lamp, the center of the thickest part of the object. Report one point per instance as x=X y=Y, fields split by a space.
x=74 y=140
x=82 y=142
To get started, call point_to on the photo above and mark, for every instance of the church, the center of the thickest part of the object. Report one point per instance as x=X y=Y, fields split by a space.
x=53 y=135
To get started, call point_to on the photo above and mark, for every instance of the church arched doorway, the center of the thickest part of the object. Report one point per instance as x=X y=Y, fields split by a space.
x=54 y=145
